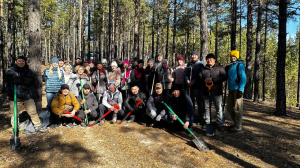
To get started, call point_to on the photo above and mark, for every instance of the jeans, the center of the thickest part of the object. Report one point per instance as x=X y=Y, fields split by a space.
x=217 y=100
x=49 y=96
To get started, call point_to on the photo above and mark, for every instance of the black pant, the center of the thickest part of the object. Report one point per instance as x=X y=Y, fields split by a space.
x=93 y=114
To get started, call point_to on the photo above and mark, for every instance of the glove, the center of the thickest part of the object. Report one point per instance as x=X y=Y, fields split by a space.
x=158 y=118
x=153 y=113
x=239 y=94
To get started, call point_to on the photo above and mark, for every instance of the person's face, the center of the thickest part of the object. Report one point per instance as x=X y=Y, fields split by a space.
x=176 y=93
x=61 y=63
x=20 y=62
x=85 y=64
x=125 y=66
x=158 y=90
x=135 y=90
x=164 y=65
x=119 y=62
x=80 y=71
x=55 y=65
x=210 y=61
x=88 y=68
x=78 y=61
x=141 y=65
x=67 y=69
x=159 y=58
x=112 y=88
x=99 y=66
x=194 y=57
x=113 y=68
x=179 y=62
x=104 y=64
x=233 y=58
x=91 y=65
x=150 y=64
x=65 y=91
x=134 y=63
x=86 y=91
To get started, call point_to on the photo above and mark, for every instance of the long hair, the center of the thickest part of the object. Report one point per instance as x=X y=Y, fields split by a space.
x=58 y=71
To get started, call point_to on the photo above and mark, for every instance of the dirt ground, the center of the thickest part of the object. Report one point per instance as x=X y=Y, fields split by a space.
x=266 y=141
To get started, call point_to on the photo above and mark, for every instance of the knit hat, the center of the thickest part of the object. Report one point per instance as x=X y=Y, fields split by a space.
x=235 y=53
x=111 y=83
x=180 y=57
x=164 y=61
x=64 y=86
x=119 y=59
x=86 y=86
x=141 y=61
x=126 y=62
x=160 y=54
x=114 y=63
x=210 y=55
x=150 y=60
x=91 y=62
x=98 y=62
x=195 y=52
x=78 y=58
x=54 y=60
x=104 y=61
x=21 y=57
x=135 y=59
x=158 y=85
x=60 y=59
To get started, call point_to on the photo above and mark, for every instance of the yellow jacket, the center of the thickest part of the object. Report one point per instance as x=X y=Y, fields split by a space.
x=60 y=102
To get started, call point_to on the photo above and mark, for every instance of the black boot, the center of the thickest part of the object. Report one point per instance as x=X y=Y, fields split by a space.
x=132 y=117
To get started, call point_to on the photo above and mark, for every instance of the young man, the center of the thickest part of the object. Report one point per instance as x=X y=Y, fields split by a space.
x=60 y=104
x=21 y=76
x=236 y=84
x=159 y=58
x=213 y=73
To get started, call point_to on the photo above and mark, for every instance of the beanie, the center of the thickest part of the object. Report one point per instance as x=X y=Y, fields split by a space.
x=180 y=57
x=21 y=57
x=64 y=86
x=150 y=60
x=196 y=53
x=54 y=60
x=114 y=63
x=91 y=62
x=111 y=83
x=164 y=61
x=104 y=61
x=141 y=61
x=210 y=55
x=235 y=53
x=126 y=62
x=86 y=86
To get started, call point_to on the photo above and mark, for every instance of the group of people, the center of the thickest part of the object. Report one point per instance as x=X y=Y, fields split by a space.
x=88 y=90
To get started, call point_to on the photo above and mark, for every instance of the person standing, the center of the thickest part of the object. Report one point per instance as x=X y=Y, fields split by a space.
x=99 y=81
x=157 y=63
x=61 y=63
x=115 y=74
x=125 y=80
x=150 y=71
x=165 y=75
x=75 y=79
x=236 y=85
x=138 y=76
x=78 y=61
x=67 y=72
x=178 y=73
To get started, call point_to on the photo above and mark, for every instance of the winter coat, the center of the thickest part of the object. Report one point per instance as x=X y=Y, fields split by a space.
x=155 y=100
x=218 y=75
x=60 y=101
x=127 y=82
x=138 y=81
x=157 y=64
x=109 y=98
x=74 y=83
x=232 y=76
x=24 y=79
x=165 y=77
x=67 y=76
x=53 y=83
x=102 y=82
x=91 y=102
x=130 y=102
x=182 y=106
x=179 y=75
x=196 y=68
x=73 y=66
x=115 y=76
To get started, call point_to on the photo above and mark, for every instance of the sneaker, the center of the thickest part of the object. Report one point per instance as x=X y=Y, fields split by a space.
x=70 y=125
x=220 y=128
x=101 y=122
x=41 y=130
x=236 y=129
x=132 y=117
x=114 y=119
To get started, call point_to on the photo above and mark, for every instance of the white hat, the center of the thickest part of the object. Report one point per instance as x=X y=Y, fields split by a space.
x=104 y=61
x=114 y=63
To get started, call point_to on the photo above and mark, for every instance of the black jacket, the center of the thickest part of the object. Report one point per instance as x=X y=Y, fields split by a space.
x=91 y=102
x=218 y=75
x=156 y=100
x=130 y=102
x=25 y=81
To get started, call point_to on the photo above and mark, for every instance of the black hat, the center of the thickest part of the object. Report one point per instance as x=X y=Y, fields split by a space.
x=78 y=58
x=98 y=62
x=60 y=59
x=64 y=86
x=175 y=87
x=141 y=61
x=210 y=55
x=195 y=52
x=86 y=86
x=135 y=59
x=21 y=57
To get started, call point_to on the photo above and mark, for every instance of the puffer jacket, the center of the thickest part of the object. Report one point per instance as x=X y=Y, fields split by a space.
x=60 y=101
x=233 y=74
x=218 y=75
x=53 y=83
x=91 y=102
x=102 y=82
x=74 y=83
x=130 y=102
x=115 y=76
x=155 y=100
x=165 y=77
x=109 y=98
x=67 y=76
x=179 y=75
x=24 y=79
x=196 y=68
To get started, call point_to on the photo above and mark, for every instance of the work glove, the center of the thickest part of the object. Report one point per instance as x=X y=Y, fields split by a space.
x=158 y=118
x=153 y=113
x=239 y=94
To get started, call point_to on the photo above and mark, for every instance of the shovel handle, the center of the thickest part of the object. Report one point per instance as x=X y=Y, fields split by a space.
x=15 y=110
x=124 y=118
x=74 y=116
x=209 y=85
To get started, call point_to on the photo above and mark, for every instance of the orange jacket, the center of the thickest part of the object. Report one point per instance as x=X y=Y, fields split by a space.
x=60 y=102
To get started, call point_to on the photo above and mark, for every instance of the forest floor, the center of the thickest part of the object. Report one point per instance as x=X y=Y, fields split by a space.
x=266 y=141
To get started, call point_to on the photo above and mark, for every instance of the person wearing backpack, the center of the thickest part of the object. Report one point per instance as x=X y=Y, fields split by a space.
x=236 y=83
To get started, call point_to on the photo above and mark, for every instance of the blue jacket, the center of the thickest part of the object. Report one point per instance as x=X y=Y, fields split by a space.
x=197 y=67
x=232 y=76
x=53 y=83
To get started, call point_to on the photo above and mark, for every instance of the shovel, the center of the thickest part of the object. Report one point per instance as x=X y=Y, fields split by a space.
x=15 y=143
x=116 y=106
x=210 y=128
x=199 y=142
x=138 y=103
x=86 y=117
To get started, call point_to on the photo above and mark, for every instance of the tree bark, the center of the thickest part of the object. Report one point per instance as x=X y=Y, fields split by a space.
x=174 y=34
x=74 y=32
x=109 y=29
x=35 y=49
x=136 y=29
x=280 y=67
x=79 y=30
x=216 y=37
x=2 y=46
x=157 y=29
x=168 y=30
x=89 y=31
x=233 y=24
x=203 y=30
x=153 y=29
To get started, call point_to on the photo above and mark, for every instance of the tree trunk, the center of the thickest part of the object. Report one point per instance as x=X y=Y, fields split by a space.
x=2 y=46
x=298 y=91
x=157 y=29
x=74 y=32
x=168 y=30
x=89 y=31
x=109 y=29
x=241 y=28
x=136 y=29
x=216 y=38
x=143 y=48
x=256 y=77
x=79 y=30
x=233 y=24
x=46 y=52
x=9 y=54
x=153 y=29
x=280 y=67
x=174 y=34
x=247 y=93
x=203 y=29
x=35 y=50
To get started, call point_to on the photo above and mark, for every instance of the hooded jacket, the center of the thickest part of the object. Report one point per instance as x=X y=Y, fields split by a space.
x=60 y=101
x=233 y=74
x=74 y=83
x=101 y=77
x=53 y=83
x=91 y=102
x=156 y=100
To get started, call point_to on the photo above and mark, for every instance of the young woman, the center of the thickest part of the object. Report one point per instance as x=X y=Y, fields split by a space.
x=67 y=72
x=179 y=74
x=99 y=81
x=165 y=75
x=74 y=81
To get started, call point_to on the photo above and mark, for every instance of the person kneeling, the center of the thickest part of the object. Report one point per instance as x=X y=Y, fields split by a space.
x=63 y=103
x=91 y=104
x=111 y=97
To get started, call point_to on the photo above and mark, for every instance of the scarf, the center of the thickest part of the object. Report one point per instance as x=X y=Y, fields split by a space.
x=126 y=75
x=139 y=72
x=101 y=70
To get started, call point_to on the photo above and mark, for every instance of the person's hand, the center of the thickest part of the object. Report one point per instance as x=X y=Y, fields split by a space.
x=153 y=113
x=239 y=94
x=190 y=84
x=208 y=80
x=116 y=110
x=86 y=111
x=68 y=115
x=186 y=124
x=42 y=72
x=73 y=113
x=82 y=101
x=112 y=108
x=174 y=117
x=158 y=118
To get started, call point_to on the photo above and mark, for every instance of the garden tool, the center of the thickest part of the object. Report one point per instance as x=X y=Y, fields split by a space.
x=190 y=80
x=154 y=77
x=66 y=111
x=98 y=86
x=86 y=117
x=210 y=128
x=15 y=143
x=224 y=101
x=199 y=142
x=116 y=106
x=138 y=103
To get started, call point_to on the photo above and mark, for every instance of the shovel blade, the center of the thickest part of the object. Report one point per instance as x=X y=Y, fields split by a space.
x=210 y=129
x=15 y=144
x=200 y=144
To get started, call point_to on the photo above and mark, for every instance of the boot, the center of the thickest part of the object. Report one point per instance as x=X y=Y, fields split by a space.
x=132 y=117
x=114 y=119
x=39 y=129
